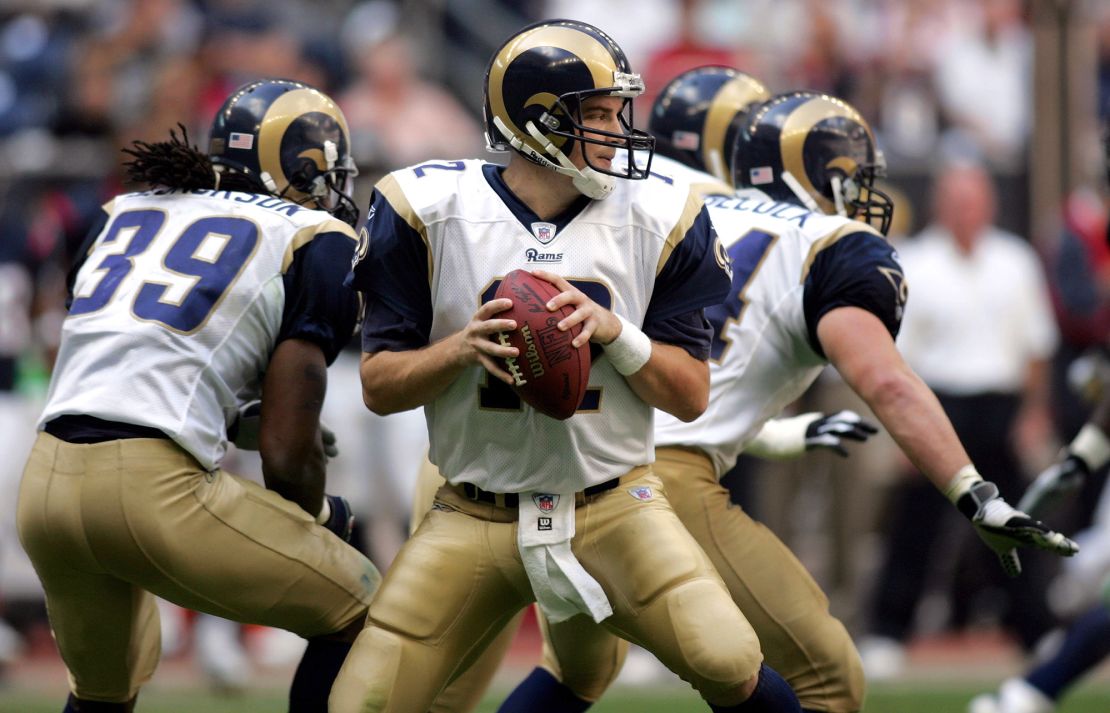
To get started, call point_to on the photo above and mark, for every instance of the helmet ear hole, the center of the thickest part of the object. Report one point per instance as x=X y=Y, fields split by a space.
x=304 y=175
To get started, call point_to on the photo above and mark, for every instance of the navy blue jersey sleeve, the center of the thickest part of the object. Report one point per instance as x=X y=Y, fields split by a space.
x=319 y=308
x=694 y=276
x=858 y=270
x=83 y=253
x=385 y=329
x=691 y=331
x=391 y=269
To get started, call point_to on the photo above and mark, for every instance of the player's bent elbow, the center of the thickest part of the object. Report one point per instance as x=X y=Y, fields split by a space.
x=690 y=406
x=377 y=403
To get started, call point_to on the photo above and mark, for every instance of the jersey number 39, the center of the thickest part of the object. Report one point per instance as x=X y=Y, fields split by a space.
x=200 y=265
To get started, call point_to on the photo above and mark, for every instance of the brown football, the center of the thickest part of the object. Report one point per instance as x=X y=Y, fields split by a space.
x=550 y=374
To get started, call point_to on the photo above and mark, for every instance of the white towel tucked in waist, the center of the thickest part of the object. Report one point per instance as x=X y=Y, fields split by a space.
x=563 y=588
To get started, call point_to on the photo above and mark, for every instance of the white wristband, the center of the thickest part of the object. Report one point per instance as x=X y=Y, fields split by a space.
x=961 y=482
x=781 y=438
x=325 y=513
x=1092 y=445
x=630 y=350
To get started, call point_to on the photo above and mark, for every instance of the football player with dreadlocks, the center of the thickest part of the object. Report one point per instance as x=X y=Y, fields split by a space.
x=219 y=285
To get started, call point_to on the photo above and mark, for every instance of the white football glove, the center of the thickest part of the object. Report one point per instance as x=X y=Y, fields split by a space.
x=830 y=431
x=782 y=438
x=1004 y=529
x=1054 y=482
x=244 y=430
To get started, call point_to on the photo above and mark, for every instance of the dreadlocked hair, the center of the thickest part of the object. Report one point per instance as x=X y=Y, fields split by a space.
x=174 y=163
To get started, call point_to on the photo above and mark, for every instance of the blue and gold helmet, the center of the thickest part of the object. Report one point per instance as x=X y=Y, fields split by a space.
x=288 y=140
x=815 y=150
x=534 y=88
x=696 y=117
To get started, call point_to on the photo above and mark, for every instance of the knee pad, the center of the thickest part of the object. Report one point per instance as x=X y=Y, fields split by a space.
x=369 y=674
x=717 y=649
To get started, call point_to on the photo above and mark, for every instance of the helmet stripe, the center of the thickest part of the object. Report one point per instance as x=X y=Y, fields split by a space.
x=733 y=97
x=796 y=129
x=283 y=112
x=595 y=55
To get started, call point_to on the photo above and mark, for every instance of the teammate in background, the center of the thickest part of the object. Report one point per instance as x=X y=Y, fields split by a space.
x=813 y=283
x=695 y=120
x=646 y=263
x=220 y=284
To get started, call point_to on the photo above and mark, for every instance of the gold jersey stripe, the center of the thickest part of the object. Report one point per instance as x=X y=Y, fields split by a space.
x=306 y=235
x=685 y=222
x=391 y=191
x=831 y=239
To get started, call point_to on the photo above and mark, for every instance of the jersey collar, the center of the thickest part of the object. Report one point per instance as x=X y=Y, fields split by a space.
x=523 y=213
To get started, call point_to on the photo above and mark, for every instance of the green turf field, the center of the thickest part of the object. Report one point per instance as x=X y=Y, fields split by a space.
x=904 y=698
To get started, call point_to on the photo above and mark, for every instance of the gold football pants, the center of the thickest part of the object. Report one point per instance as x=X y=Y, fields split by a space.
x=798 y=636
x=109 y=525
x=459 y=580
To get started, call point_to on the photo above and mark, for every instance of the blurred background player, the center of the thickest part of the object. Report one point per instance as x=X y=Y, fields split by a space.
x=190 y=303
x=475 y=560
x=1081 y=593
x=807 y=288
x=1082 y=589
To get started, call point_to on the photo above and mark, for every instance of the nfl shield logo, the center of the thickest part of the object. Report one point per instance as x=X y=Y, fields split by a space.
x=642 y=492
x=546 y=502
x=544 y=232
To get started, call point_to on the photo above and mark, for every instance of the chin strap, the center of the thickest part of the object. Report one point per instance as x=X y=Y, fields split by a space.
x=838 y=196
x=589 y=182
x=802 y=194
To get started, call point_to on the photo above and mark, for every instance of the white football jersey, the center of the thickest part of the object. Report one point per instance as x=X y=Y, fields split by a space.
x=475 y=232
x=704 y=184
x=176 y=310
x=764 y=354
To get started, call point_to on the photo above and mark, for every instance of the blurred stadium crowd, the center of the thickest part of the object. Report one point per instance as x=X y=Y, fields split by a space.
x=941 y=81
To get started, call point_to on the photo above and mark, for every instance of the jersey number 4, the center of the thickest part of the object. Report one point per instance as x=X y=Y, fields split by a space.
x=204 y=261
x=747 y=255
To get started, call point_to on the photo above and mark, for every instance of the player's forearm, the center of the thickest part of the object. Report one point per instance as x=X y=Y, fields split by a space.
x=673 y=381
x=293 y=460
x=399 y=381
x=913 y=416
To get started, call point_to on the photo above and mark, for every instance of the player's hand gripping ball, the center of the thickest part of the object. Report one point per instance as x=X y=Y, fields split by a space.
x=549 y=374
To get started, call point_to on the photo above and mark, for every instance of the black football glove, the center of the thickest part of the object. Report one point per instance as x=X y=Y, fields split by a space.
x=1054 y=482
x=341 y=521
x=1004 y=529
x=830 y=430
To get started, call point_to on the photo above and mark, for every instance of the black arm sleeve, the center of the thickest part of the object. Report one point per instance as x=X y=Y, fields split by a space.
x=691 y=331
x=319 y=308
x=392 y=272
x=858 y=270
